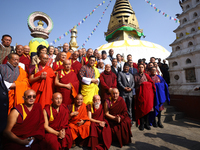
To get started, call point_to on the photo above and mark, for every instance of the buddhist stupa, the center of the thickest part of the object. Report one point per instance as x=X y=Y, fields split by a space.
x=123 y=35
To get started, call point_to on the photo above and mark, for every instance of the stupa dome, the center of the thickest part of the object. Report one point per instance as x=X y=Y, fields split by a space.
x=137 y=48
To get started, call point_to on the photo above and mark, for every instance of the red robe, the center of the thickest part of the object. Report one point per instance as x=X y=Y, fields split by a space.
x=68 y=95
x=122 y=130
x=107 y=80
x=57 y=66
x=60 y=122
x=44 y=88
x=100 y=138
x=31 y=126
x=26 y=60
x=144 y=98
x=84 y=130
x=76 y=66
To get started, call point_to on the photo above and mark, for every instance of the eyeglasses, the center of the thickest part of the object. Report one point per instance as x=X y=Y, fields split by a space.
x=29 y=96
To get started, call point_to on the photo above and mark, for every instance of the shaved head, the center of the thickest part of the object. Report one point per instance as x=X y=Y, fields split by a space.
x=67 y=65
x=27 y=92
x=115 y=94
x=57 y=99
x=19 y=50
x=56 y=94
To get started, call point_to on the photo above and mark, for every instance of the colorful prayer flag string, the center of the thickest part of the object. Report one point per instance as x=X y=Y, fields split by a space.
x=160 y=11
x=78 y=24
x=96 y=25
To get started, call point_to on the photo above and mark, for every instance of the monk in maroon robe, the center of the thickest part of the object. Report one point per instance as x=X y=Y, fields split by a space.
x=25 y=127
x=100 y=133
x=58 y=65
x=108 y=81
x=116 y=113
x=58 y=134
x=25 y=58
x=76 y=66
x=67 y=83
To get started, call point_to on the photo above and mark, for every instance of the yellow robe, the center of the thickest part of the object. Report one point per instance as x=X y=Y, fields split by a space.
x=88 y=91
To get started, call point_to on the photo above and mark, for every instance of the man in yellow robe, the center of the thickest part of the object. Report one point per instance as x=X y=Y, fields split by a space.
x=89 y=76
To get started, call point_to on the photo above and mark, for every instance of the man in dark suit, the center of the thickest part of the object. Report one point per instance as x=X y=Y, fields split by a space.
x=4 y=102
x=126 y=85
x=114 y=67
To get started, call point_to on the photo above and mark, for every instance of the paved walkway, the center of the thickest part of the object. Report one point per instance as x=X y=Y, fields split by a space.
x=183 y=134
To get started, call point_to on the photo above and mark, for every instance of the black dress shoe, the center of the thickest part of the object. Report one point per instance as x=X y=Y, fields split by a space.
x=132 y=122
x=141 y=127
x=155 y=125
x=160 y=125
x=147 y=127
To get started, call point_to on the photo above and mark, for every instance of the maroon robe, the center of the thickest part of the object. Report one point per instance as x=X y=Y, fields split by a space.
x=122 y=130
x=100 y=138
x=68 y=95
x=32 y=126
x=26 y=60
x=76 y=66
x=107 y=80
x=60 y=122
x=144 y=98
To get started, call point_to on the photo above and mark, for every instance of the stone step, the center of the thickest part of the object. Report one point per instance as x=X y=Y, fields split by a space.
x=168 y=109
x=172 y=116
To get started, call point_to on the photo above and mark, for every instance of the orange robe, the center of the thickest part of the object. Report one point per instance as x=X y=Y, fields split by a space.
x=44 y=88
x=16 y=95
x=83 y=130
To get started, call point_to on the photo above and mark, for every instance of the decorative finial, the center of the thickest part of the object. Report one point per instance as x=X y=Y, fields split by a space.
x=40 y=23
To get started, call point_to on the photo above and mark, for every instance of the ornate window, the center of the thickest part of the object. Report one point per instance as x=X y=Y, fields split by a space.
x=195 y=15
x=192 y=30
x=188 y=61
x=181 y=35
x=184 y=20
x=174 y=64
x=177 y=48
x=190 y=44
x=188 y=6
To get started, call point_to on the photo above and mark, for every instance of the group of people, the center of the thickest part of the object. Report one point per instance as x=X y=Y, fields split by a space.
x=60 y=100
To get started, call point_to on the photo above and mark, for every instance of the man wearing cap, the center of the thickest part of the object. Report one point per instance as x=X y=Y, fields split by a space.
x=105 y=59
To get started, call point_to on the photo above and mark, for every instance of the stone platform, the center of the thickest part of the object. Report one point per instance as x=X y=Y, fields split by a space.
x=182 y=134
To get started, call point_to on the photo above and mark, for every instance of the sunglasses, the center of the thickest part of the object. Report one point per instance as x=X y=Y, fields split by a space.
x=31 y=96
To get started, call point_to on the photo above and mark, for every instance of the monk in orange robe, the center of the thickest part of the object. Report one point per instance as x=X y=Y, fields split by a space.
x=25 y=127
x=15 y=79
x=58 y=65
x=76 y=66
x=100 y=133
x=117 y=115
x=41 y=78
x=67 y=83
x=79 y=121
x=58 y=134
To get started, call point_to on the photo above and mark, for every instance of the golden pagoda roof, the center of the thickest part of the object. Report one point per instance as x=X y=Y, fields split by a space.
x=122 y=16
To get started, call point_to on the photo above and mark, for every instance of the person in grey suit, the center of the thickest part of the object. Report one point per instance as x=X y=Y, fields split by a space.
x=126 y=85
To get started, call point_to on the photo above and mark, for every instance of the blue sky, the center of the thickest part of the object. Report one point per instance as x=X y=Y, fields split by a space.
x=66 y=13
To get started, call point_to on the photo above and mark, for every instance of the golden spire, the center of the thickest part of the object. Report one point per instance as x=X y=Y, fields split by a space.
x=123 y=16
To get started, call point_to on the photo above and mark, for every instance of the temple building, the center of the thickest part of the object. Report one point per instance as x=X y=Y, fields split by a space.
x=184 y=64
x=123 y=35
